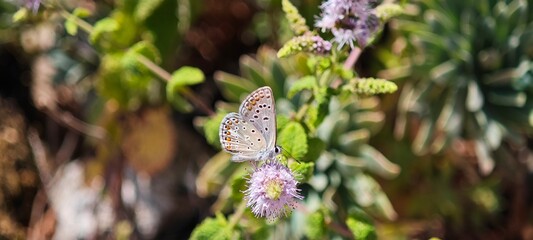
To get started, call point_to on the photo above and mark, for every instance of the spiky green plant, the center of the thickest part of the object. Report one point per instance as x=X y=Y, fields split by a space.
x=471 y=62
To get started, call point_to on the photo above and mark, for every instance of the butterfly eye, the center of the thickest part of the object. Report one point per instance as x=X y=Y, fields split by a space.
x=277 y=149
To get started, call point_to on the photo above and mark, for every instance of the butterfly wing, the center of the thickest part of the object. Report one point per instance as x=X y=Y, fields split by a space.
x=258 y=108
x=240 y=138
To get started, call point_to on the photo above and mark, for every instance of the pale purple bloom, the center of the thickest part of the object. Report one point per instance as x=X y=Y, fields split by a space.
x=349 y=20
x=272 y=190
x=32 y=5
x=319 y=45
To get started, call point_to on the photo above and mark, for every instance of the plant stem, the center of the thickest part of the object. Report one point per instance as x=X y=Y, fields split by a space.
x=237 y=215
x=348 y=64
x=87 y=27
x=352 y=58
x=301 y=112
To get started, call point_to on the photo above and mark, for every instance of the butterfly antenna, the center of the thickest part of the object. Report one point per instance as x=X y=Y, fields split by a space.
x=288 y=153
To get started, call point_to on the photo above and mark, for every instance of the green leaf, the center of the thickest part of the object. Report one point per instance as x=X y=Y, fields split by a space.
x=105 y=25
x=70 y=26
x=255 y=71
x=180 y=103
x=81 y=12
x=360 y=225
x=211 y=129
x=212 y=228
x=119 y=31
x=238 y=185
x=233 y=86
x=263 y=233
x=316 y=225
x=145 y=8
x=322 y=98
x=186 y=76
x=307 y=82
x=293 y=139
x=20 y=15
x=181 y=78
x=368 y=193
x=281 y=122
x=316 y=147
x=303 y=171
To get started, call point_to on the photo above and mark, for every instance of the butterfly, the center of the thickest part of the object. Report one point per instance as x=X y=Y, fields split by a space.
x=251 y=133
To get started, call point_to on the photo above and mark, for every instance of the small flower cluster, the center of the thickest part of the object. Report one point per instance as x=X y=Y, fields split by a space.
x=350 y=21
x=272 y=190
x=305 y=43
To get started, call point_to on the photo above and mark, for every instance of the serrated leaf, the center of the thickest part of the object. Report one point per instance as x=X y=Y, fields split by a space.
x=293 y=139
x=311 y=117
x=212 y=228
x=307 y=82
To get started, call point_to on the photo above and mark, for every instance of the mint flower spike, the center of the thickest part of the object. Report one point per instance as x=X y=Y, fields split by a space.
x=272 y=190
x=306 y=43
x=370 y=86
x=350 y=21
x=296 y=21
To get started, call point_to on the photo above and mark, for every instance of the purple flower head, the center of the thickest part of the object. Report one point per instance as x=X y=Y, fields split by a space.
x=272 y=190
x=349 y=20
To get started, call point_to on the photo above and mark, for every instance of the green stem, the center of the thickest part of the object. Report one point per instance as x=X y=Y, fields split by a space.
x=87 y=27
x=348 y=64
x=301 y=112
x=237 y=215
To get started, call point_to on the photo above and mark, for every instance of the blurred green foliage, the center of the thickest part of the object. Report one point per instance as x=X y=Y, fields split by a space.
x=471 y=63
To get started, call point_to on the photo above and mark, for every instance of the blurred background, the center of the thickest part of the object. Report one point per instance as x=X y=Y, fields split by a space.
x=90 y=147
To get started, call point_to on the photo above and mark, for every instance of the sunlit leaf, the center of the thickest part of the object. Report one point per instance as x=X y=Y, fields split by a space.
x=212 y=228
x=293 y=139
